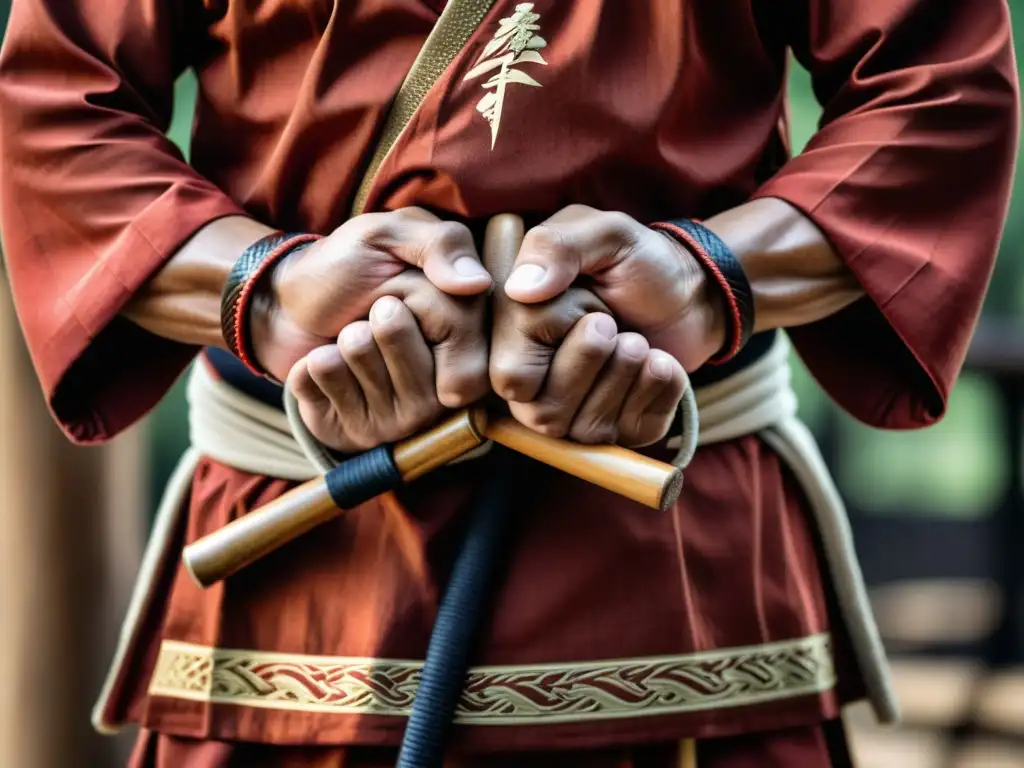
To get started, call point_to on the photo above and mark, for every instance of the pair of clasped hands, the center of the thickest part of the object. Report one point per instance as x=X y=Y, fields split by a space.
x=393 y=318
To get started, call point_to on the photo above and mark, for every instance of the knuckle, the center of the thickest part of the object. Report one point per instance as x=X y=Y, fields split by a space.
x=422 y=298
x=414 y=212
x=575 y=210
x=462 y=387
x=371 y=227
x=546 y=325
x=513 y=379
x=325 y=376
x=619 y=231
x=618 y=221
x=507 y=382
x=452 y=234
x=357 y=342
x=399 y=331
x=460 y=321
x=543 y=237
x=455 y=321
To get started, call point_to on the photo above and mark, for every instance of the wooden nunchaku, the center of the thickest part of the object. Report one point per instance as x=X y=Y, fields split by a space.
x=219 y=554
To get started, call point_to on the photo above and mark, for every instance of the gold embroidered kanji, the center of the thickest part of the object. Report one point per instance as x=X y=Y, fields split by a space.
x=515 y=43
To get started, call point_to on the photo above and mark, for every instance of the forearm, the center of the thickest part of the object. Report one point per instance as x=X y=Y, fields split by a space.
x=181 y=301
x=795 y=275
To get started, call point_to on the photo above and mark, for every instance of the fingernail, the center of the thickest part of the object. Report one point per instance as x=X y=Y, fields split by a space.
x=356 y=335
x=384 y=309
x=525 y=277
x=322 y=357
x=661 y=368
x=633 y=347
x=602 y=327
x=467 y=266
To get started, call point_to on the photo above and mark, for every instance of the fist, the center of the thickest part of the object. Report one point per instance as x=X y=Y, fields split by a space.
x=647 y=280
x=359 y=381
x=567 y=370
x=375 y=385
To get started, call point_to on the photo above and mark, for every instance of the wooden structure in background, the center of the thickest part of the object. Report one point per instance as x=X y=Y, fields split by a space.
x=70 y=541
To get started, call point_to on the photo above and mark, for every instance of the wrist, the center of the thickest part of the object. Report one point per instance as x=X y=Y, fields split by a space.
x=722 y=290
x=249 y=307
x=263 y=318
x=709 y=307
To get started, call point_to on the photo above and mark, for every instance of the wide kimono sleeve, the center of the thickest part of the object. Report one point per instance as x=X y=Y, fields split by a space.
x=94 y=198
x=909 y=177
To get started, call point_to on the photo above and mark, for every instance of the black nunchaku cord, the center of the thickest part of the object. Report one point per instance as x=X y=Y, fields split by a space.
x=464 y=604
x=461 y=613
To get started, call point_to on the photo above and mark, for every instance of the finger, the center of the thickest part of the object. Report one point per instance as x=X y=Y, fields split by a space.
x=650 y=408
x=330 y=373
x=461 y=369
x=597 y=420
x=444 y=250
x=524 y=339
x=317 y=409
x=406 y=354
x=453 y=327
x=574 y=369
x=363 y=357
x=575 y=241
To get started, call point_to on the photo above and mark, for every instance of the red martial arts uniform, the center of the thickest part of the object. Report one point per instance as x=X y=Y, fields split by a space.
x=657 y=109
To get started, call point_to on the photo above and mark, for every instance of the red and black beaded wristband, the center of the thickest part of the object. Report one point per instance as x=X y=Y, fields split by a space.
x=239 y=288
x=724 y=268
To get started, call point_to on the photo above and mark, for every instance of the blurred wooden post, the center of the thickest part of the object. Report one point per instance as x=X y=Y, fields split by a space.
x=998 y=352
x=69 y=542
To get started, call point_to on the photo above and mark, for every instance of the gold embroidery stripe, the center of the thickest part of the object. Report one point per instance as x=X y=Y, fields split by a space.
x=454 y=26
x=500 y=695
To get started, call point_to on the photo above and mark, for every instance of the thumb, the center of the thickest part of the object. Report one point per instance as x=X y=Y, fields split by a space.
x=543 y=269
x=455 y=269
x=449 y=259
x=443 y=250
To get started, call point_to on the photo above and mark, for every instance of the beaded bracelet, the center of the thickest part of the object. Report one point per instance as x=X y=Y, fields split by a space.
x=236 y=299
x=721 y=264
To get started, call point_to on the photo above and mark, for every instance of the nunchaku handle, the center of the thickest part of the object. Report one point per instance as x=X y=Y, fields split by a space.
x=227 y=550
x=248 y=538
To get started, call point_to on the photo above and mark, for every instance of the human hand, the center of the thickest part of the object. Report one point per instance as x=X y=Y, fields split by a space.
x=362 y=382
x=374 y=386
x=565 y=368
x=648 y=281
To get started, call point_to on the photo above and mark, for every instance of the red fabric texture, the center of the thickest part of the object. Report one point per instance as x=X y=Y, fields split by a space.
x=805 y=747
x=659 y=110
